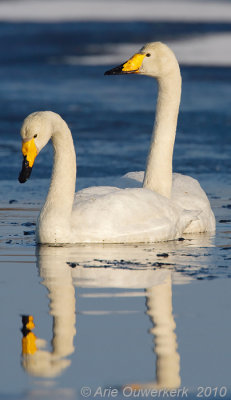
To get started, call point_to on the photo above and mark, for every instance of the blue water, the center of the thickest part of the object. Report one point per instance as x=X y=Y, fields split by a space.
x=111 y=119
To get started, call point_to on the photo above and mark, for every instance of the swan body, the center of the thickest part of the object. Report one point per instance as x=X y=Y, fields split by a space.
x=129 y=215
x=96 y=214
x=189 y=195
x=162 y=208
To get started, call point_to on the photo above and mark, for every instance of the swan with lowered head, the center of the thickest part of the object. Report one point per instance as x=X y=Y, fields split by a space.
x=157 y=60
x=96 y=214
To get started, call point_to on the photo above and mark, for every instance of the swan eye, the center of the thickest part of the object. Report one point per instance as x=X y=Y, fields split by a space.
x=35 y=135
x=148 y=55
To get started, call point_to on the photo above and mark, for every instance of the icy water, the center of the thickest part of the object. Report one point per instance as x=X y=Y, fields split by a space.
x=111 y=321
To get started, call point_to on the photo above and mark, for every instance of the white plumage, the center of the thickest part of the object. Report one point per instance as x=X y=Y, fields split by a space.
x=165 y=207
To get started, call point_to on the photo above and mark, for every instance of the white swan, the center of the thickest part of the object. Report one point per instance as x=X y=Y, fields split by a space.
x=158 y=61
x=99 y=214
x=111 y=214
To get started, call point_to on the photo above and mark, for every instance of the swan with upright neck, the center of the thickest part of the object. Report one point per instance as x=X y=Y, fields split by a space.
x=163 y=209
x=158 y=61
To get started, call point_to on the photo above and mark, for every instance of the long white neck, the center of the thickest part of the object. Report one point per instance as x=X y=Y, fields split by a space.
x=55 y=217
x=158 y=174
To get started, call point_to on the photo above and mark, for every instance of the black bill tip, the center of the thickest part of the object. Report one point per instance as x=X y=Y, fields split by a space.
x=115 y=71
x=25 y=172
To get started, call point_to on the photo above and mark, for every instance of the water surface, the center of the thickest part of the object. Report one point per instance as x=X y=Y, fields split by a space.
x=111 y=316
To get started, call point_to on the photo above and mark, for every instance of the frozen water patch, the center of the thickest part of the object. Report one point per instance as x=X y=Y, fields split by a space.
x=70 y=10
x=204 y=50
x=208 y=49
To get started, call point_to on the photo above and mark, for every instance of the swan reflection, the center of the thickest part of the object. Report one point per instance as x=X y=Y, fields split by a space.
x=159 y=309
x=37 y=361
x=110 y=266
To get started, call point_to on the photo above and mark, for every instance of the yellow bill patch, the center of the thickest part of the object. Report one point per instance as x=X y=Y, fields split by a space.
x=134 y=64
x=30 y=151
x=29 y=344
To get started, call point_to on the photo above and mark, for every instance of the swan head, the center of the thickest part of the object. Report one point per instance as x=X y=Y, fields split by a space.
x=36 y=131
x=154 y=59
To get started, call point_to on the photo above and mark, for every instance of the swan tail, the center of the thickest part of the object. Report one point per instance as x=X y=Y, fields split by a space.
x=188 y=217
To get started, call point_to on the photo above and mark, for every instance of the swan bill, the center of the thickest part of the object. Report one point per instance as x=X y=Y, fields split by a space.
x=30 y=152
x=132 y=66
x=115 y=71
x=25 y=171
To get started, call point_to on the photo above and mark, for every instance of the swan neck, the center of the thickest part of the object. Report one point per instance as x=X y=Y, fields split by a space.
x=55 y=217
x=158 y=174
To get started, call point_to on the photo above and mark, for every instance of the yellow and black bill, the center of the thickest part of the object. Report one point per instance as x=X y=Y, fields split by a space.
x=30 y=152
x=29 y=338
x=132 y=66
x=25 y=171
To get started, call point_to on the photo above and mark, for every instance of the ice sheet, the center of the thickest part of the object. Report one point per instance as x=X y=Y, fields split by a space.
x=70 y=10
x=210 y=49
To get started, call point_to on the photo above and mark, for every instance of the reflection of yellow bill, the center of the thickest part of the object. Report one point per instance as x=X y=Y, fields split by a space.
x=30 y=324
x=29 y=340
x=134 y=64
x=28 y=344
x=29 y=150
